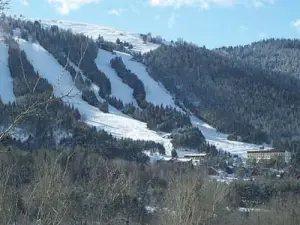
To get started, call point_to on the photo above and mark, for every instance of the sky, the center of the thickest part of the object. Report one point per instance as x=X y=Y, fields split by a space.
x=210 y=23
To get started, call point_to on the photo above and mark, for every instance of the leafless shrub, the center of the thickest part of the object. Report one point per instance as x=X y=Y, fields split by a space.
x=192 y=200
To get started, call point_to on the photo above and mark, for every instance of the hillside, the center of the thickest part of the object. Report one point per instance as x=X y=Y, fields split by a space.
x=277 y=55
x=109 y=91
x=108 y=33
x=252 y=104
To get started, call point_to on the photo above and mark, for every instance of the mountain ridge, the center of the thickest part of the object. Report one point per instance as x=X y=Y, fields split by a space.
x=213 y=136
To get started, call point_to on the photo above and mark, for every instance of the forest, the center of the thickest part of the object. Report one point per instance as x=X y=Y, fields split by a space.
x=61 y=125
x=69 y=173
x=250 y=103
x=78 y=186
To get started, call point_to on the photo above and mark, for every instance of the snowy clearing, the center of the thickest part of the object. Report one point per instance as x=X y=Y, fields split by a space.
x=118 y=88
x=118 y=125
x=220 y=140
x=155 y=92
x=109 y=34
x=6 y=81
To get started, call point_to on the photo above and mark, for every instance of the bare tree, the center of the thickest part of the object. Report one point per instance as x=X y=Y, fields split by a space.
x=192 y=200
x=34 y=106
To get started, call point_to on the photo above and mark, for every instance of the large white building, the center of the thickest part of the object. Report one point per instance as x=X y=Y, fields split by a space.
x=269 y=154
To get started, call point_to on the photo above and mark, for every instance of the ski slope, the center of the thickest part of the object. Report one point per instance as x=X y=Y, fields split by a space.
x=109 y=34
x=220 y=140
x=95 y=88
x=118 y=88
x=116 y=124
x=155 y=92
x=6 y=81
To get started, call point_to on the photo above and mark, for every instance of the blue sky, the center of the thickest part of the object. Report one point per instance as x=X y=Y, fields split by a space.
x=212 y=23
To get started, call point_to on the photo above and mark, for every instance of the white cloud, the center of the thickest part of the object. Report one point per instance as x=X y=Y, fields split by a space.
x=206 y=4
x=198 y=3
x=64 y=7
x=116 y=12
x=25 y=3
x=296 y=24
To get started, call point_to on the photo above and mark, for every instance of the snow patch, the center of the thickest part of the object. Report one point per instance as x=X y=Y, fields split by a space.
x=109 y=34
x=18 y=133
x=60 y=135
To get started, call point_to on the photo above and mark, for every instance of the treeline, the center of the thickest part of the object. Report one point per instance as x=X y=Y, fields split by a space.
x=78 y=186
x=53 y=124
x=190 y=137
x=90 y=97
x=62 y=44
x=262 y=191
x=131 y=80
x=236 y=98
x=114 y=46
x=25 y=79
x=281 y=55
x=160 y=118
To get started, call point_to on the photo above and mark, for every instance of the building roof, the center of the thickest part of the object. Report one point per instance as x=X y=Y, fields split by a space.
x=266 y=151
x=195 y=155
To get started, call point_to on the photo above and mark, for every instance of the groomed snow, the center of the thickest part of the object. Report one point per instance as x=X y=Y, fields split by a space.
x=155 y=92
x=118 y=88
x=220 y=140
x=117 y=125
x=115 y=122
x=95 y=88
x=6 y=81
x=109 y=34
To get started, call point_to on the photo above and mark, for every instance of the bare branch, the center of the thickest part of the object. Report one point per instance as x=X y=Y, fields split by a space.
x=34 y=106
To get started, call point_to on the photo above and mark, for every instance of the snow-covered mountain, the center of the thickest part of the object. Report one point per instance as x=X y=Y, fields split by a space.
x=109 y=34
x=114 y=122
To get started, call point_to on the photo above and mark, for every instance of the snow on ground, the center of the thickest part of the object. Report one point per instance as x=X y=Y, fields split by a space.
x=17 y=133
x=118 y=88
x=221 y=142
x=77 y=70
x=115 y=122
x=59 y=135
x=6 y=81
x=109 y=34
x=95 y=88
x=155 y=92
x=117 y=125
